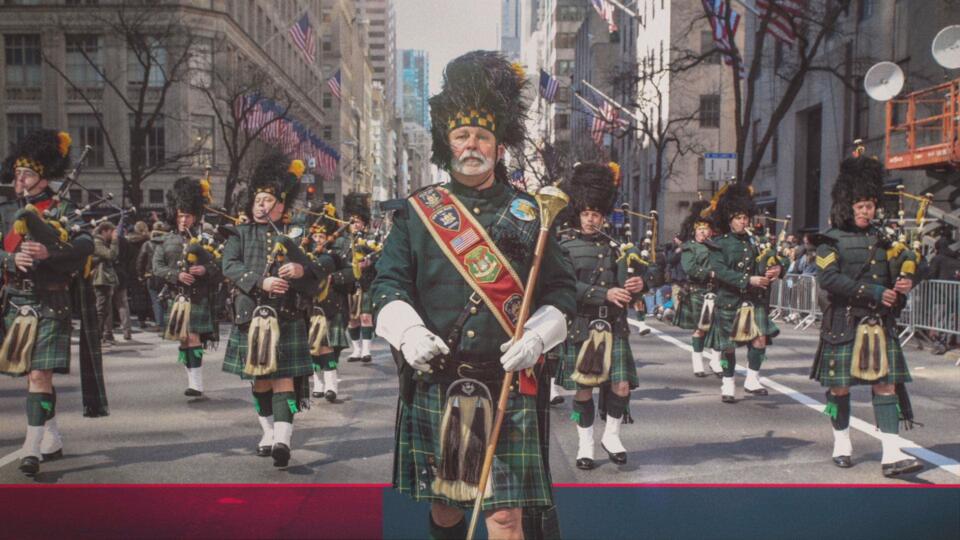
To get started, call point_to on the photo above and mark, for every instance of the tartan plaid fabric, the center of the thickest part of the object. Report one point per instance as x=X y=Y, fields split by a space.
x=836 y=360
x=201 y=319
x=337 y=332
x=52 y=348
x=690 y=308
x=622 y=367
x=366 y=302
x=293 y=358
x=519 y=477
x=718 y=338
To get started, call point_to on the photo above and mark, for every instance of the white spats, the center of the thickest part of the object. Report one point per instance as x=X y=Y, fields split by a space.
x=195 y=378
x=611 y=436
x=330 y=380
x=52 y=441
x=715 y=362
x=841 y=443
x=318 y=383
x=697 y=360
x=554 y=390
x=728 y=387
x=752 y=382
x=266 y=424
x=282 y=432
x=31 y=444
x=585 y=446
x=355 y=348
x=364 y=347
x=891 y=448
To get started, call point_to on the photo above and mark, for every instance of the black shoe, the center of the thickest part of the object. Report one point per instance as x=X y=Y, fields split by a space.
x=281 y=455
x=904 y=466
x=353 y=359
x=585 y=464
x=192 y=393
x=330 y=396
x=728 y=399
x=757 y=392
x=844 y=462
x=699 y=374
x=367 y=359
x=317 y=394
x=53 y=456
x=556 y=400
x=264 y=451
x=644 y=332
x=620 y=458
x=30 y=465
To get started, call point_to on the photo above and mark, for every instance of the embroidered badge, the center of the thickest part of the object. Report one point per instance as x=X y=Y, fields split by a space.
x=523 y=209
x=512 y=307
x=430 y=197
x=464 y=241
x=447 y=217
x=483 y=265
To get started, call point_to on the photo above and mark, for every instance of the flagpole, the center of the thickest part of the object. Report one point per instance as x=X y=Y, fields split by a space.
x=746 y=6
x=611 y=100
x=593 y=108
x=625 y=9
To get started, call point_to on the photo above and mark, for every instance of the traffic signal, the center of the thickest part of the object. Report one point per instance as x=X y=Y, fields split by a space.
x=311 y=192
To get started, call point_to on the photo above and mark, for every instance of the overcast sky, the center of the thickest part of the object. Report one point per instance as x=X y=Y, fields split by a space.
x=446 y=29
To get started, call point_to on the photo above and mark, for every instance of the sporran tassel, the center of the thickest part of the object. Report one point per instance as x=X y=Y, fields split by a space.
x=476 y=443
x=318 y=333
x=16 y=352
x=450 y=445
x=263 y=338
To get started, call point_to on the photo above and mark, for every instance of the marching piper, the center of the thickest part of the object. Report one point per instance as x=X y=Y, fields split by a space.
x=362 y=250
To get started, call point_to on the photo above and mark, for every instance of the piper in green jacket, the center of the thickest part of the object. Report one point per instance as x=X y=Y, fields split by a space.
x=273 y=281
x=742 y=315
x=854 y=263
x=191 y=274
x=695 y=232
x=426 y=308
x=356 y=208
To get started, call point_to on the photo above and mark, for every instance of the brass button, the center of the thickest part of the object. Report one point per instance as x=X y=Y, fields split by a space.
x=875 y=276
x=476 y=210
x=471 y=334
x=600 y=256
x=600 y=269
x=833 y=363
x=831 y=373
x=603 y=283
x=473 y=310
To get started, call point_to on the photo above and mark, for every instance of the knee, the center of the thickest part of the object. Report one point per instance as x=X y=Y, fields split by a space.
x=839 y=390
x=504 y=519
x=884 y=389
x=445 y=516
x=366 y=319
x=264 y=385
x=760 y=343
x=40 y=378
x=621 y=388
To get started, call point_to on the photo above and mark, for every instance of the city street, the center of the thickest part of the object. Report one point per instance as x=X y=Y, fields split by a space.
x=683 y=433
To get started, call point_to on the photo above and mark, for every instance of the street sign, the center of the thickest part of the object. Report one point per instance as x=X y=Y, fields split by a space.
x=312 y=163
x=306 y=179
x=719 y=166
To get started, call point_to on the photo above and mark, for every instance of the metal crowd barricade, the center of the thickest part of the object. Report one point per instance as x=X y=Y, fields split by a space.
x=794 y=300
x=932 y=305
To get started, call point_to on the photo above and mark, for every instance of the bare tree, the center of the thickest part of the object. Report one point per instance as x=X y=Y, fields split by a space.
x=159 y=48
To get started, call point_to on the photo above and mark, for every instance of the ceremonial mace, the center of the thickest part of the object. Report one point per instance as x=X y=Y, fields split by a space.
x=551 y=201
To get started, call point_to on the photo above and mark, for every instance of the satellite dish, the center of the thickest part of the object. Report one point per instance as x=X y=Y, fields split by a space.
x=883 y=81
x=946 y=47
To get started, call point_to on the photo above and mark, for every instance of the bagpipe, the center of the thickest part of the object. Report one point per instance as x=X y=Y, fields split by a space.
x=772 y=250
x=902 y=242
x=641 y=262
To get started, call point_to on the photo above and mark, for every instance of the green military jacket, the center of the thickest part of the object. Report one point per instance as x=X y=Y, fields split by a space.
x=169 y=259
x=413 y=268
x=595 y=265
x=245 y=265
x=341 y=280
x=733 y=259
x=695 y=260
x=854 y=281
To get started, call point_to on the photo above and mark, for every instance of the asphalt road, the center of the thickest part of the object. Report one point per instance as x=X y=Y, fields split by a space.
x=683 y=433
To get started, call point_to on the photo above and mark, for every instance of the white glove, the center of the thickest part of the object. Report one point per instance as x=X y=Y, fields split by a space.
x=420 y=345
x=522 y=354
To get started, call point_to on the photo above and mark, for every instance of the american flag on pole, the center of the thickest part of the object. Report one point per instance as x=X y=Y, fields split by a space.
x=334 y=83
x=604 y=121
x=780 y=15
x=302 y=34
x=606 y=10
x=717 y=13
x=548 y=86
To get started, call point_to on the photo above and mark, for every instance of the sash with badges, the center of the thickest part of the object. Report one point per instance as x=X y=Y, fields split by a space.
x=471 y=251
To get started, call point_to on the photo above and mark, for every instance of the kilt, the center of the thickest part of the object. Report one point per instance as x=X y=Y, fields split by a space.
x=519 y=477
x=366 y=303
x=52 y=348
x=201 y=318
x=622 y=366
x=293 y=357
x=835 y=362
x=337 y=337
x=689 y=309
x=718 y=338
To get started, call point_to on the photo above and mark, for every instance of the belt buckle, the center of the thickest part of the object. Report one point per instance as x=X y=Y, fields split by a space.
x=602 y=312
x=475 y=298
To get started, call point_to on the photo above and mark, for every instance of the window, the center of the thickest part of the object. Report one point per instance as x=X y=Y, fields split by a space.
x=201 y=137
x=154 y=145
x=84 y=61
x=707 y=47
x=562 y=121
x=154 y=56
x=564 y=67
x=85 y=130
x=23 y=60
x=569 y=13
x=76 y=196
x=328 y=132
x=155 y=196
x=566 y=40
x=710 y=111
x=563 y=95
x=201 y=63
x=327 y=100
x=19 y=125
x=94 y=194
x=865 y=10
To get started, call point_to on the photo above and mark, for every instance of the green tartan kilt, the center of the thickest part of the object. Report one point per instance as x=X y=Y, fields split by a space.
x=337 y=337
x=519 y=478
x=293 y=356
x=688 y=312
x=622 y=365
x=835 y=362
x=52 y=348
x=718 y=338
x=366 y=302
x=201 y=318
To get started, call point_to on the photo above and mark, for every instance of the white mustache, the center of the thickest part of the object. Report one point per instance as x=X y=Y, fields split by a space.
x=472 y=154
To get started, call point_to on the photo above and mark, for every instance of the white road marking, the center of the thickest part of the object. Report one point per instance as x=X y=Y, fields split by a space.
x=941 y=461
x=11 y=457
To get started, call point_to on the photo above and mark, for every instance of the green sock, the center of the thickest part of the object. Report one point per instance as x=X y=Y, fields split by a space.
x=284 y=406
x=729 y=363
x=183 y=357
x=366 y=332
x=328 y=361
x=755 y=357
x=39 y=407
x=354 y=333
x=263 y=402
x=885 y=410
x=317 y=362
x=838 y=409
x=53 y=406
x=697 y=343
x=194 y=357
x=583 y=412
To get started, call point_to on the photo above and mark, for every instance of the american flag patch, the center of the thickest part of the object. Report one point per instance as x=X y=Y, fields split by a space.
x=464 y=241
